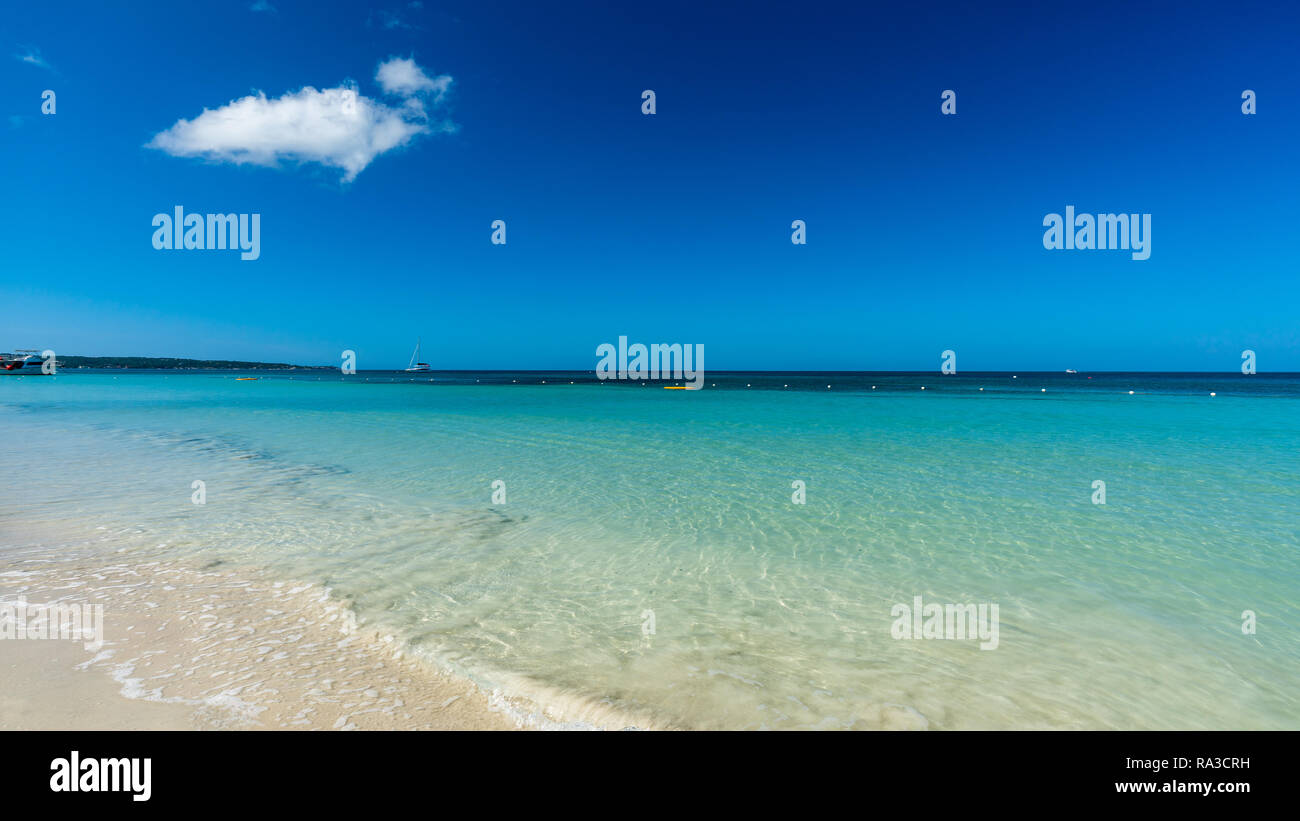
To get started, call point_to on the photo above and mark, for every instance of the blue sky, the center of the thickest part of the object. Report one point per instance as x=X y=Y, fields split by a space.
x=924 y=230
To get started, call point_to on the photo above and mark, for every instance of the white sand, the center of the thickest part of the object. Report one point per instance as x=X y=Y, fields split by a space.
x=193 y=649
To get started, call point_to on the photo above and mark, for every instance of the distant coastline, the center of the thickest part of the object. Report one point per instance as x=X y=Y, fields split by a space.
x=174 y=363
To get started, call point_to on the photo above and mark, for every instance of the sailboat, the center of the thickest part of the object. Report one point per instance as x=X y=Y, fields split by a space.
x=416 y=366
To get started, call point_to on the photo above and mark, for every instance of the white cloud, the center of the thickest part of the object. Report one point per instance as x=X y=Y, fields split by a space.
x=387 y=19
x=32 y=56
x=404 y=78
x=335 y=127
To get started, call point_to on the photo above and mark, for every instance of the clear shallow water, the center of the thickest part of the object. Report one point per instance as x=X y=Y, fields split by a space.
x=623 y=499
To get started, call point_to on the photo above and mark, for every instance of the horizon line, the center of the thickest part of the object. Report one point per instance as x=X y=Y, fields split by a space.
x=593 y=371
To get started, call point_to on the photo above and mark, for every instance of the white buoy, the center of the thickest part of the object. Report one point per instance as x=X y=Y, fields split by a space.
x=1044 y=390
x=923 y=387
x=1130 y=393
x=1212 y=393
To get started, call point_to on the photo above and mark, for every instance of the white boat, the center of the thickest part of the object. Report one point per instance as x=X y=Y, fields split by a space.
x=1070 y=370
x=22 y=362
x=415 y=365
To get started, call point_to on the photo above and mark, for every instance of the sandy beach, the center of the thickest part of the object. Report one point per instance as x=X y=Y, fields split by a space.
x=186 y=648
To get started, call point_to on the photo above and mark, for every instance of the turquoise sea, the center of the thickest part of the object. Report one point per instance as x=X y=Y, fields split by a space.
x=648 y=560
